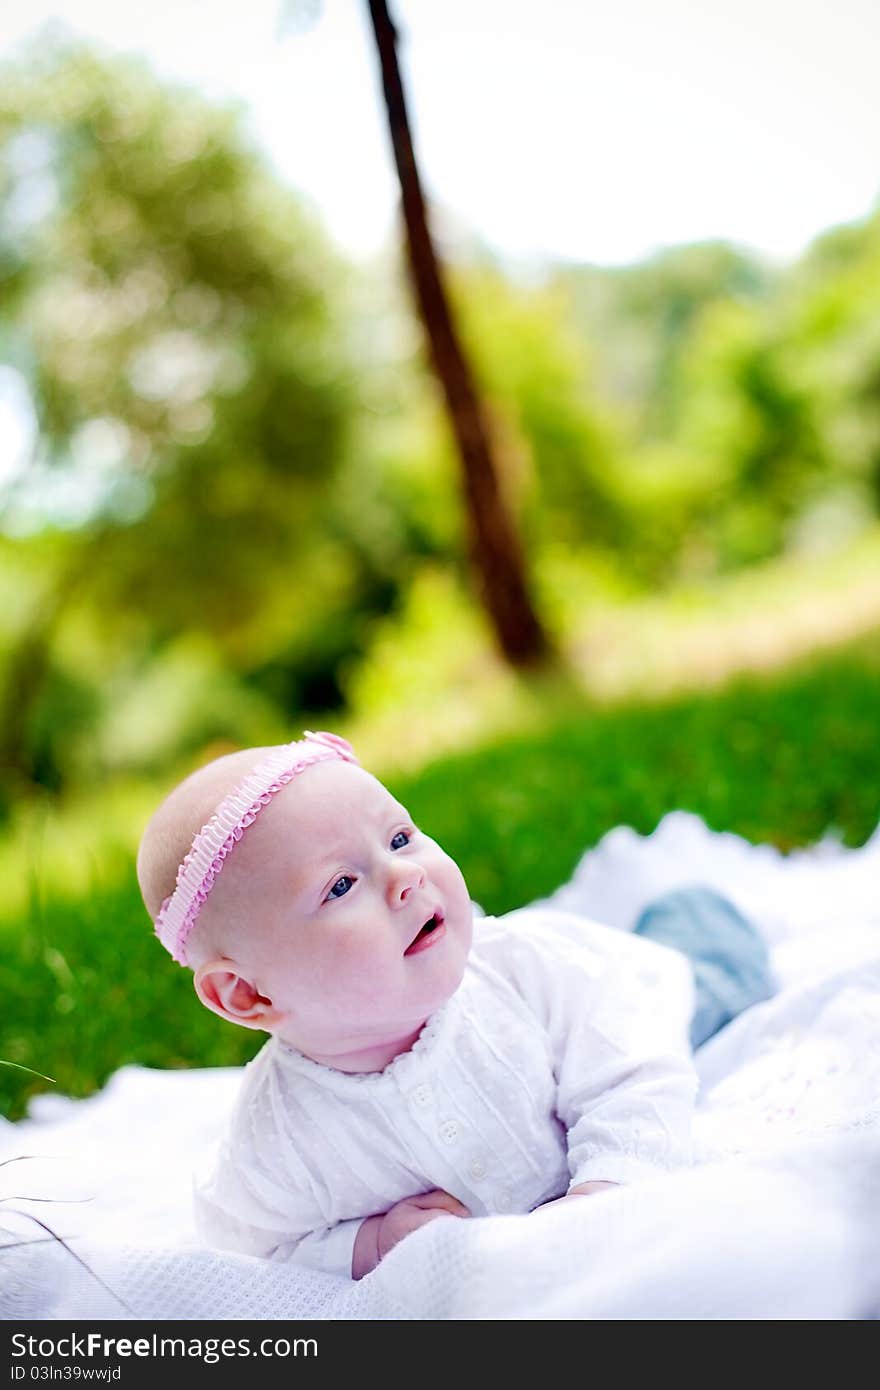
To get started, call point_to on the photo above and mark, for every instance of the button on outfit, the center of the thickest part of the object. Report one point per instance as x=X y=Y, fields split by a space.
x=553 y=1063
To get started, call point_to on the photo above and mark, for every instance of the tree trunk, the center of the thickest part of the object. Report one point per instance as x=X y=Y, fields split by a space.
x=495 y=550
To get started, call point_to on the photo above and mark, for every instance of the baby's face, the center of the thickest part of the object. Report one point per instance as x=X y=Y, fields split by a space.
x=358 y=925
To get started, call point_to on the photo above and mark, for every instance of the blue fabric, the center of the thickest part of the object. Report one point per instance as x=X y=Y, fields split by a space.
x=729 y=959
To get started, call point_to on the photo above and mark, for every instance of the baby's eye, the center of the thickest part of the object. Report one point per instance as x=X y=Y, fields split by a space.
x=402 y=838
x=341 y=887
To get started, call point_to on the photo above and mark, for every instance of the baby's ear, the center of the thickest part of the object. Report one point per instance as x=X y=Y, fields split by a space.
x=231 y=995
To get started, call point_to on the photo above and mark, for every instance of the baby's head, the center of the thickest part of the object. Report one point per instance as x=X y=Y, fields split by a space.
x=306 y=902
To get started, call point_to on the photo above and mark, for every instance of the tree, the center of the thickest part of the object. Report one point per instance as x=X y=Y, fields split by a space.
x=174 y=315
x=494 y=545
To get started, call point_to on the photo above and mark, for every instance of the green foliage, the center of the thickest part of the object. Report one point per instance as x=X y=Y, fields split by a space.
x=832 y=313
x=741 y=410
x=173 y=298
x=243 y=486
x=557 y=444
x=181 y=326
x=750 y=399
x=641 y=319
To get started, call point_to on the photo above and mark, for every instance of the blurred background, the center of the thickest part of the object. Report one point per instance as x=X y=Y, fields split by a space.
x=231 y=502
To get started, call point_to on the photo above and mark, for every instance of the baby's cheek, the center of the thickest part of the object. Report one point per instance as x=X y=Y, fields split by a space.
x=357 y=962
x=457 y=879
x=445 y=864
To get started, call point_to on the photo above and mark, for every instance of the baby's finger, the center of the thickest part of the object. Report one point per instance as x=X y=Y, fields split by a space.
x=435 y=1214
x=440 y=1201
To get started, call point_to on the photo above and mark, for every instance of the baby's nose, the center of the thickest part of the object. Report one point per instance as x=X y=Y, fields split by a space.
x=404 y=876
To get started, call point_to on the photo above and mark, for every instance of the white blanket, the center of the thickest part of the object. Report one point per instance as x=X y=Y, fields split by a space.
x=780 y=1218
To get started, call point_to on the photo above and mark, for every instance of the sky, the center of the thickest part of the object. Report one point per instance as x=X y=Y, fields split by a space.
x=560 y=130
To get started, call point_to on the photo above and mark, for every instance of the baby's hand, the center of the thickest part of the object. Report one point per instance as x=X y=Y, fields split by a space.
x=583 y=1189
x=379 y=1234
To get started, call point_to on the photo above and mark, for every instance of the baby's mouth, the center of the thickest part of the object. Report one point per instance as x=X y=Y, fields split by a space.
x=433 y=922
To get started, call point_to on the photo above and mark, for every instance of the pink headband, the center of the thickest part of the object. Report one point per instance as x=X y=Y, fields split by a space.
x=215 y=841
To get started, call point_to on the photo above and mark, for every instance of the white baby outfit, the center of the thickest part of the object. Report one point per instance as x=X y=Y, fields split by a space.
x=562 y=1058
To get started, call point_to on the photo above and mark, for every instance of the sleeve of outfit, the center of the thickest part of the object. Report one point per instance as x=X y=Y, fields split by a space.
x=616 y=1016
x=257 y=1197
x=229 y=1217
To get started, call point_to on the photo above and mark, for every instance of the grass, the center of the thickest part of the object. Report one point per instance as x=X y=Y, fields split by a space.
x=438 y=656
x=781 y=758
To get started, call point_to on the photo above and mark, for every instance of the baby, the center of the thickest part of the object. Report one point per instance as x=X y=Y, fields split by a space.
x=421 y=1063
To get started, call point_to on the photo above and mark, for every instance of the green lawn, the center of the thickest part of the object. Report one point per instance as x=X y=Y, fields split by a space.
x=87 y=989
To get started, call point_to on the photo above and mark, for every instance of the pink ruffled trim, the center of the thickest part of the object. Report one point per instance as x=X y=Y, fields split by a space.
x=173 y=929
